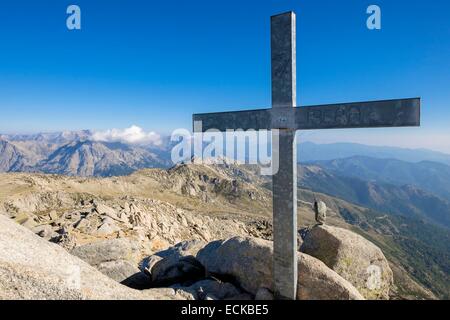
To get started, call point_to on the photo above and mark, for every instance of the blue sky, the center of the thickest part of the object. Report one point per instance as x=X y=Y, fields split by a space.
x=154 y=63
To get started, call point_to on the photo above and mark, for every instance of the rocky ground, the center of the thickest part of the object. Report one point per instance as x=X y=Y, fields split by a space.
x=191 y=232
x=235 y=269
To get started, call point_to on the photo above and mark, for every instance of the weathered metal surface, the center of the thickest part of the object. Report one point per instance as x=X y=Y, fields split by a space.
x=283 y=53
x=284 y=185
x=387 y=113
x=372 y=114
x=245 y=120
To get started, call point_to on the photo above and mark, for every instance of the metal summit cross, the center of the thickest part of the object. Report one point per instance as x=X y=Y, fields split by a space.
x=285 y=117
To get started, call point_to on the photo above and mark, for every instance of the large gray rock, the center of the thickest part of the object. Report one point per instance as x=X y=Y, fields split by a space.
x=148 y=263
x=176 y=263
x=32 y=268
x=117 y=259
x=107 y=228
x=220 y=290
x=318 y=282
x=108 y=250
x=104 y=209
x=354 y=258
x=183 y=249
x=248 y=261
x=264 y=294
x=176 y=269
x=45 y=231
x=245 y=259
x=119 y=270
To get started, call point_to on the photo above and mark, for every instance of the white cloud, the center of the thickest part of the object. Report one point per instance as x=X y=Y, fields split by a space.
x=132 y=135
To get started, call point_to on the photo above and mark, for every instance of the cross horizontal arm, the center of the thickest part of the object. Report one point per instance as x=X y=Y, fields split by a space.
x=223 y=121
x=387 y=113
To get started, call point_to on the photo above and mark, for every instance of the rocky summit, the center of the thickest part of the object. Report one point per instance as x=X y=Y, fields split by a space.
x=199 y=231
x=33 y=268
x=353 y=257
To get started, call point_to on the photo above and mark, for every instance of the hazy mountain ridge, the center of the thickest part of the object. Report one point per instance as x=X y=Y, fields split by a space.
x=430 y=176
x=53 y=137
x=419 y=190
x=93 y=158
x=404 y=200
x=11 y=158
x=35 y=150
x=309 y=151
x=74 y=153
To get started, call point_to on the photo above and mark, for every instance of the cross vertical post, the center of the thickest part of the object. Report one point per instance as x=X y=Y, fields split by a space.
x=284 y=185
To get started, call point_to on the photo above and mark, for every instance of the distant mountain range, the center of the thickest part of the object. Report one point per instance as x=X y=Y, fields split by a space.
x=78 y=153
x=90 y=158
x=417 y=189
x=405 y=200
x=312 y=152
x=11 y=158
x=430 y=176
